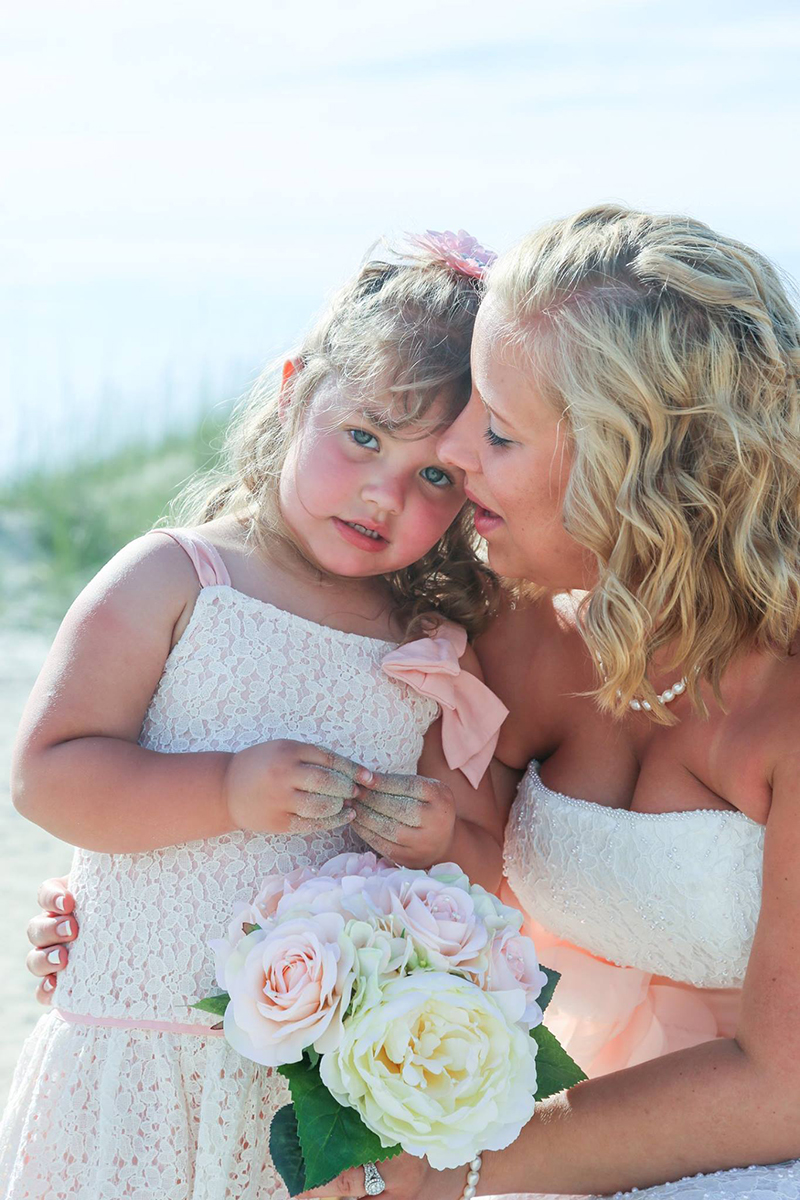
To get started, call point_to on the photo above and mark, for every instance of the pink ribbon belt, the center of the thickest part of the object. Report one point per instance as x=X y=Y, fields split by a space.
x=135 y=1023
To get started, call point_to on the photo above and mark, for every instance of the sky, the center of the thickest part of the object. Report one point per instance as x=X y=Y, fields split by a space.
x=182 y=184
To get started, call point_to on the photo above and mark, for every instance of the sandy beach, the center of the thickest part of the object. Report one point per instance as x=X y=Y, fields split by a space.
x=29 y=855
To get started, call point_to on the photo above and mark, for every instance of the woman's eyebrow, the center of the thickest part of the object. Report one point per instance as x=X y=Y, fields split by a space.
x=494 y=413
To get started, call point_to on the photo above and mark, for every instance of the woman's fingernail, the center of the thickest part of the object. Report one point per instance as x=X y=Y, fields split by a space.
x=64 y=929
x=60 y=903
x=54 y=956
x=48 y=984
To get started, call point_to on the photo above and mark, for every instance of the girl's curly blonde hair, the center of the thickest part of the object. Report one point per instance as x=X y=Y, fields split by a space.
x=674 y=352
x=398 y=336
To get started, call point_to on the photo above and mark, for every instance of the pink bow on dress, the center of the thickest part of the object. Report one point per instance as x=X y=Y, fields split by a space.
x=471 y=713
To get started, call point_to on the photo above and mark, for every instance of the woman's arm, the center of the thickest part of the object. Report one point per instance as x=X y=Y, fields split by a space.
x=726 y=1103
x=78 y=770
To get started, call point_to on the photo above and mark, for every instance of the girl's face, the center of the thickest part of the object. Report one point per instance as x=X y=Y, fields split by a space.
x=363 y=500
x=514 y=449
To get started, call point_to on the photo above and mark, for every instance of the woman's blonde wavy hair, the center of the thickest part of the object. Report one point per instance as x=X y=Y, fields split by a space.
x=397 y=336
x=674 y=353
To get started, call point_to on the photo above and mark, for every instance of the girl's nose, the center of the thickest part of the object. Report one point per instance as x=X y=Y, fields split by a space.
x=459 y=445
x=386 y=493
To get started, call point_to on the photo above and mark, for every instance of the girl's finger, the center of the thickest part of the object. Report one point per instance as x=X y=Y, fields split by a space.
x=404 y=810
x=48 y=931
x=47 y=961
x=320 y=757
x=54 y=896
x=304 y=825
x=418 y=787
x=393 y=832
x=379 y=844
x=327 y=782
x=46 y=989
x=314 y=806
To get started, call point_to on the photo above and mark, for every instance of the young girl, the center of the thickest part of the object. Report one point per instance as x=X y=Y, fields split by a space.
x=249 y=696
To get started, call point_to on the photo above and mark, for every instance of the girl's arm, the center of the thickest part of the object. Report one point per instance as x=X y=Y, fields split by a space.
x=435 y=816
x=78 y=770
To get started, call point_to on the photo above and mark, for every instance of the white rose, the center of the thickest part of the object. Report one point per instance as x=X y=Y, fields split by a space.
x=438 y=1066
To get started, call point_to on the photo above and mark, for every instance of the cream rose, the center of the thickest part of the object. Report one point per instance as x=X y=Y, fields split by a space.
x=438 y=1066
x=289 y=987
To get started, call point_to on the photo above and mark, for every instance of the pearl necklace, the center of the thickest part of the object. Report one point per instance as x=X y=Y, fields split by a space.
x=665 y=697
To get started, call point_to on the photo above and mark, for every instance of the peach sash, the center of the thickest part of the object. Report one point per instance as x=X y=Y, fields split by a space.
x=471 y=713
x=134 y=1023
x=610 y=1017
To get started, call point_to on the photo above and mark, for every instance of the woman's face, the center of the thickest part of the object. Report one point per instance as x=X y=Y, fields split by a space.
x=515 y=451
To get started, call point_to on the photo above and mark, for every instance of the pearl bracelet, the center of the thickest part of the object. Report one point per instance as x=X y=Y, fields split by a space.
x=472 y=1178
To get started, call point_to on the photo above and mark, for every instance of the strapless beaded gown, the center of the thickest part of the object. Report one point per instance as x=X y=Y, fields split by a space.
x=650 y=918
x=102 y=1113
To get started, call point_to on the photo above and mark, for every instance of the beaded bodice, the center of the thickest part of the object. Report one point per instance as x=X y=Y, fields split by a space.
x=675 y=894
x=243 y=672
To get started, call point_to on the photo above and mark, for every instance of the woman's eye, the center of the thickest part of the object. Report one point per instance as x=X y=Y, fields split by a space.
x=436 y=476
x=363 y=437
x=494 y=439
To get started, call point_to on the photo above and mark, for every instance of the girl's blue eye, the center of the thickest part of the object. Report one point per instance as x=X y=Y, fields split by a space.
x=362 y=437
x=494 y=439
x=436 y=476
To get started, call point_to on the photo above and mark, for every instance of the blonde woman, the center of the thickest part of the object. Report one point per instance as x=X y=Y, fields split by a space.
x=632 y=447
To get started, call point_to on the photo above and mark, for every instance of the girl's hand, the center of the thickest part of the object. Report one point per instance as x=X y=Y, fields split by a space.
x=407 y=1178
x=289 y=787
x=49 y=933
x=409 y=819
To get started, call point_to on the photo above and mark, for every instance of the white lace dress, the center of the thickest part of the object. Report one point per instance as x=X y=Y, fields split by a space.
x=101 y=1113
x=673 y=899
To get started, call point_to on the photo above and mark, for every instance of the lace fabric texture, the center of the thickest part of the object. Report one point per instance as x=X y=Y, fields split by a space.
x=675 y=894
x=99 y=1113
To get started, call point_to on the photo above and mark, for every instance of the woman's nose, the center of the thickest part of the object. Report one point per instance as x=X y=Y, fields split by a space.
x=460 y=443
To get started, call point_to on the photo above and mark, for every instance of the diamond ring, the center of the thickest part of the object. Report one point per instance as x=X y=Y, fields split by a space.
x=374 y=1183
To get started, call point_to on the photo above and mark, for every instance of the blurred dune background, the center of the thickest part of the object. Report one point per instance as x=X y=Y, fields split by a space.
x=182 y=185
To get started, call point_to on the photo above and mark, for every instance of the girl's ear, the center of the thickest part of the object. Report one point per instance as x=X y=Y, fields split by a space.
x=290 y=369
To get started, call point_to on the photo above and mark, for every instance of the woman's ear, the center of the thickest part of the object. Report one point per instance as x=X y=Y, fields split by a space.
x=290 y=369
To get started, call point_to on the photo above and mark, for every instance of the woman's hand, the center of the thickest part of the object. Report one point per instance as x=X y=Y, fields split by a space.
x=50 y=933
x=406 y=1177
x=288 y=787
x=409 y=819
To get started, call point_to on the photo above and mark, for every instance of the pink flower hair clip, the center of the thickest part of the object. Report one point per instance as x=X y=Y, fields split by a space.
x=461 y=251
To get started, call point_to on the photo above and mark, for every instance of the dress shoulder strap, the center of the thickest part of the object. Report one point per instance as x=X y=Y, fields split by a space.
x=206 y=559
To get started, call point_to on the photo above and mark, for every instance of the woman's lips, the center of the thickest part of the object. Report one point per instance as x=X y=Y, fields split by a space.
x=372 y=544
x=486 y=519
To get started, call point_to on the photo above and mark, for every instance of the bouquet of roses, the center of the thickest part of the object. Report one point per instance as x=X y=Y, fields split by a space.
x=404 y=1008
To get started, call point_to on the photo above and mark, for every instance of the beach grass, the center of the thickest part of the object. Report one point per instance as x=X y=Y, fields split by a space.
x=59 y=526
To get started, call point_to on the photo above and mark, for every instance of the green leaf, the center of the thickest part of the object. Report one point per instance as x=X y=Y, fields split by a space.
x=546 y=994
x=312 y=1055
x=332 y=1138
x=247 y=928
x=213 y=1004
x=555 y=1070
x=284 y=1146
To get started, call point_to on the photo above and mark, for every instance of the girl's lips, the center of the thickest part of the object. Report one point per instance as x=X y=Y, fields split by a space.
x=373 y=545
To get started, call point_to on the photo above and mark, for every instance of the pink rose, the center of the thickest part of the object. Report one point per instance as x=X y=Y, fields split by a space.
x=243 y=914
x=439 y=918
x=365 y=865
x=274 y=887
x=513 y=965
x=290 y=987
